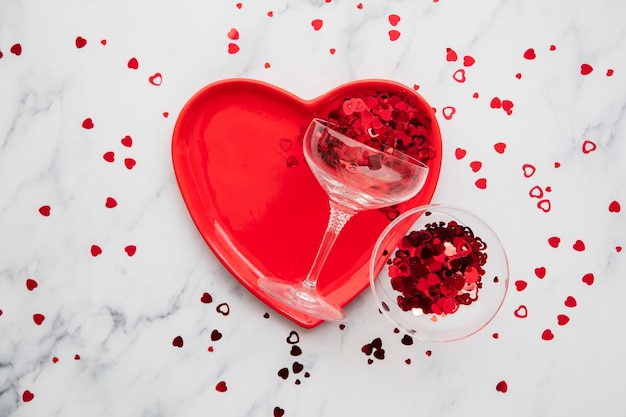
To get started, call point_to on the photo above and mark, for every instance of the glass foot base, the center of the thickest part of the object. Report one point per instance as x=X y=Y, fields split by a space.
x=302 y=298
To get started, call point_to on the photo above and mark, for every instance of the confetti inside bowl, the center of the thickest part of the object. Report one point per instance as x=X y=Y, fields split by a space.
x=445 y=273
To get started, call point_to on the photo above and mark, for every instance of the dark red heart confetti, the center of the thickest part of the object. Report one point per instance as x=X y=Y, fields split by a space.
x=502 y=387
x=297 y=367
x=588 y=278
x=95 y=250
x=80 y=42
x=540 y=272
x=31 y=284
x=295 y=350
x=44 y=210
x=133 y=63
x=521 y=312
x=55 y=359
x=130 y=250
x=562 y=319
x=520 y=285
x=585 y=69
x=223 y=309
x=16 y=49
x=27 y=396
x=206 y=298
x=88 y=123
x=77 y=357
x=553 y=47
x=428 y=353
x=38 y=318
x=177 y=342
x=216 y=335
x=495 y=335
x=221 y=386
x=614 y=207
x=283 y=373
x=317 y=24
x=530 y=54
x=547 y=334
x=448 y=112
x=579 y=245
x=557 y=164
x=293 y=337
x=407 y=340
x=570 y=302
x=554 y=241
x=278 y=412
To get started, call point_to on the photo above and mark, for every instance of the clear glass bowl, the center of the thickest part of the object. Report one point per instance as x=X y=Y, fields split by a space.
x=414 y=259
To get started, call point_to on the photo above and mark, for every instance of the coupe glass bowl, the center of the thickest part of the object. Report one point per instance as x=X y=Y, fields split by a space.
x=449 y=260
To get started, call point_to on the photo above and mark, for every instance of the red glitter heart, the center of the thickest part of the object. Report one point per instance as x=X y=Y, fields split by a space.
x=178 y=342
x=16 y=49
x=129 y=163
x=481 y=183
x=476 y=166
x=570 y=302
x=521 y=312
x=614 y=207
x=579 y=245
x=468 y=61
x=31 y=284
x=394 y=19
x=44 y=210
x=585 y=69
x=554 y=241
x=496 y=103
x=110 y=203
x=80 y=42
x=233 y=48
x=317 y=24
x=156 y=79
x=109 y=156
x=460 y=153
x=38 y=318
x=221 y=387
x=588 y=146
x=279 y=412
x=95 y=250
x=27 y=396
x=394 y=35
x=127 y=141
x=206 y=298
x=130 y=250
x=459 y=75
x=540 y=272
x=530 y=54
x=233 y=34
x=544 y=205
x=547 y=334
x=588 y=278
x=520 y=285
x=529 y=170
x=562 y=319
x=88 y=123
x=133 y=63
x=500 y=147
x=451 y=55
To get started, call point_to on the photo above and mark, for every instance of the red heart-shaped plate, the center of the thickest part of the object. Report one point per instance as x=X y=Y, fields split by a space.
x=237 y=154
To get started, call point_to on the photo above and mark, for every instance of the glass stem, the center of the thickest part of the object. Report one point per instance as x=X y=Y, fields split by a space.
x=339 y=216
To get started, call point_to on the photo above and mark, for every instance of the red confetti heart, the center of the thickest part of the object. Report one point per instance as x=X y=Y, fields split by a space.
x=359 y=6
x=129 y=163
x=588 y=278
x=500 y=147
x=110 y=203
x=570 y=302
x=221 y=386
x=38 y=318
x=55 y=359
x=216 y=335
x=495 y=103
x=394 y=35
x=233 y=48
x=520 y=285
x=317 y=24
x=27 y=396
x=544 y=205
x=507 y=106
x=178 y=342
x=31 y=284
x=233 y=34
x=540 y=272
x=44 y=210
x=130 y=250
x=495 y=335
x=1 y=54
x=562 y=319
x=468 y=61
x=16 y=49
x=521 y=312
x=618 y=249
x=586 y=69
x=614 y=207
x=95 y=250
x=133 y=63
x=536 y=192
x=127 y=141
x=80 y=42
x=475 y=95
x=609 y=72
x=332 y=51
x=279 y=412
x=88 y=123
x=270 y=13
x=460 y=153
x=459 y=75
x=518 y=75
x=267 y=65
x=530 y=54
x=156 y=79
x=554 y=241
x=77 y=357
x=448 y=112
x=109 y=156
x=481 y=183
x=451 y=55
x=206 y=298
x=103 y=42
x=476 y=165
x=552 y=47
x=239 y=5
x=166 y=114
x=547 y=334
x=557 y=164
x=502 y=387
x=579 y=245
x=588 y=146
x=529 y=170
x=394 y=19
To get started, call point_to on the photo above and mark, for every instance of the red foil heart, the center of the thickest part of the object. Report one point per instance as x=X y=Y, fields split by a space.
x=237 y=155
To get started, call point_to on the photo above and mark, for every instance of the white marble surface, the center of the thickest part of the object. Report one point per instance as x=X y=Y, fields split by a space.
x=120 y=313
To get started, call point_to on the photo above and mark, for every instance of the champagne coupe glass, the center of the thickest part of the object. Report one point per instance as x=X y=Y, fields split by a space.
x=356 y=177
